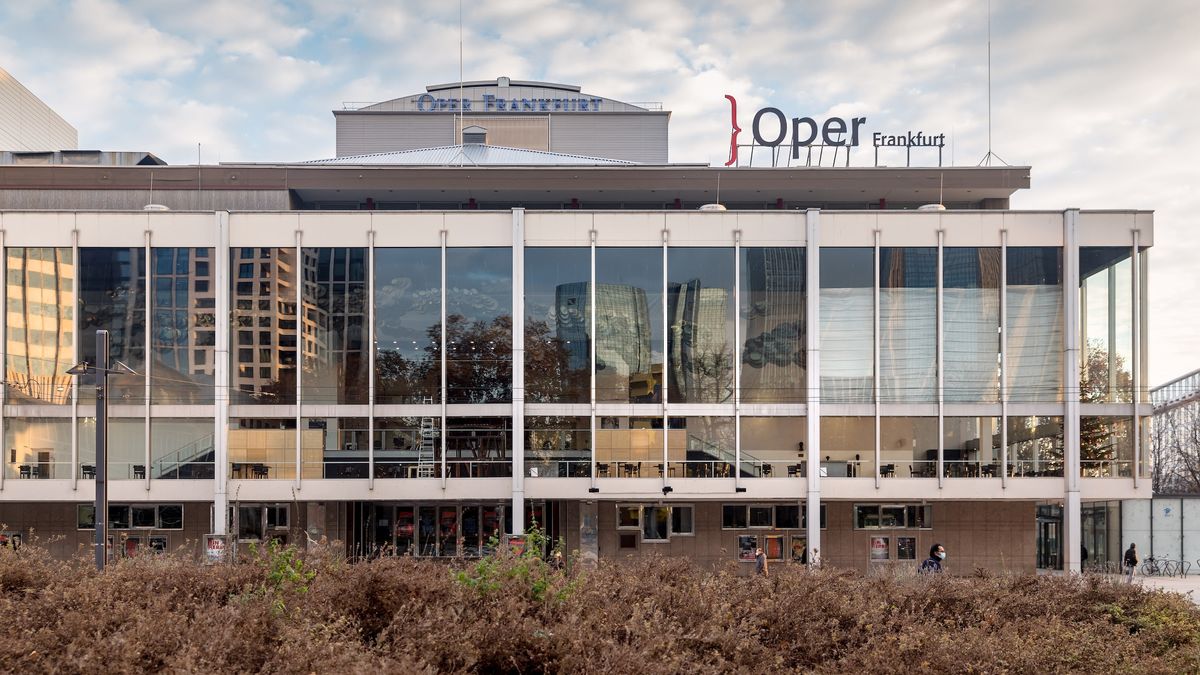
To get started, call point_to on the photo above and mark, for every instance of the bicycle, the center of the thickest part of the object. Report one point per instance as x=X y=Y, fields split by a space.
x=1152 y=567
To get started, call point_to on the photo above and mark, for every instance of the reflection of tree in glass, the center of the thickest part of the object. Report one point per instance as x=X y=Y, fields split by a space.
x=479 y=363
x=549 y=377
x=1099 y=438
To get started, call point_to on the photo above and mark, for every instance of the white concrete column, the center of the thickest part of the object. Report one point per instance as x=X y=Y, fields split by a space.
x=940 y=365
x=1072 y=521
x=4 y=348
x=222 y=382
x=591 y=308
x=148 y=308
x=444 y=356
x=1004 y=359
x=875 y=353
x=371 y=354
x=737 y=360
x=78 y=353
x=812 y=376
x=518 y=371
x=297 y=438
x=1136 y=424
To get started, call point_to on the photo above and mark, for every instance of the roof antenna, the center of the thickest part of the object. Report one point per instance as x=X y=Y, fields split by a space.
x=987 y=159
x=458 y=140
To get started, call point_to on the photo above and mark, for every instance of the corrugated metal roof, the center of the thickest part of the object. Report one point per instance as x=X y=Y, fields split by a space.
x=472 y=155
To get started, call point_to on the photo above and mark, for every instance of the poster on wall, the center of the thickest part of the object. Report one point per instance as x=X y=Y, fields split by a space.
x=773 y=546
x=799 y=549
x=880 y=549
x=906 y=548
x=746 y=545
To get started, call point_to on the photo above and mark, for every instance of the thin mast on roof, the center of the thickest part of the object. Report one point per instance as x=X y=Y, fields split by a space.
x=987 y=159
x=458 y=125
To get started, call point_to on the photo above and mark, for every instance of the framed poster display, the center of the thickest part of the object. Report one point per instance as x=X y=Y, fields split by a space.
x=906 y=548
x=746 y=545
x=773 y=546
x=880 y=549
x=799 y=549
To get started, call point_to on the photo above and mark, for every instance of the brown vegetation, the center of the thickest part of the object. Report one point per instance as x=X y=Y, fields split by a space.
x=284 y=613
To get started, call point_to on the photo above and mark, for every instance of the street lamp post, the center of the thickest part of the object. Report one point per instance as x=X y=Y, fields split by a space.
x=100 y=373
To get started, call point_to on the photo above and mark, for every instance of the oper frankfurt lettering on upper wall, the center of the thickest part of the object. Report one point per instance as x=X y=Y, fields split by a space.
x=835 y=131
x=493 y=103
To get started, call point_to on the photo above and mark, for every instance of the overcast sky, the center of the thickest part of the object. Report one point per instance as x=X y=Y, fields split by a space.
x=1100 y=97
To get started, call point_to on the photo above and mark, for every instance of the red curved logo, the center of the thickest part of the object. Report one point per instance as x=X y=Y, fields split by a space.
x=734 y=131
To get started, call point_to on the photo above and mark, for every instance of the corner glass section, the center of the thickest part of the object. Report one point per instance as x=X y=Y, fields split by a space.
x=1106 y=447
x=773 y=308
x=847 y=326
x=1106 y=324
x=1035 y=446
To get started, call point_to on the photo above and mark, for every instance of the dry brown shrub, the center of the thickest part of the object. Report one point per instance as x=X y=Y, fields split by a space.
x=508 y=614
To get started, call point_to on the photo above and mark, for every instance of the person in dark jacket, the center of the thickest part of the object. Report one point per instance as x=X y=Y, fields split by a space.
x=760 y=562
x=933 y=564
x=1130 y=562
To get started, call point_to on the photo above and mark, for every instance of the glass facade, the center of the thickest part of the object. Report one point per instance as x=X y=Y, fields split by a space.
x=182 y=448
x=700 y=325
x=38 y=448
x=479 y=447
x=1106 y=447
x=262 y=330
x=408 y=319
x=908 y=325
x=971 y=324
x=629 y=325
x=40 y=345
x=971 y=447
x=1035 y=324
x=407 y=447
x=1106 y=324
x=773 y=306
x=183 y=324
x=334 y=325
x=773 y=447
x=1035 y=446
x=847 y=310
x=478 y=325
x=847 y=447
x=558 y=446
x=558 y=358
x=908 y=447
x=112 y=297
x=126 y=448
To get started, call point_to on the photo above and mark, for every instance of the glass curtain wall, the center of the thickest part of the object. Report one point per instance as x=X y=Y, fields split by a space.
x=40 y=344
x=908 y=447
x=848 y=447
x=847 y=325
x=112 y=297
x=773 y=447
x=262 y=331
x=126 y=448
x=334 y=325
x=698 y=447
x=408 y=319
x=907 y=325
x=628 y=446
x=773 y=306
x=40 y=448
x=700 y=315
x=558 y=446
x=971 y=447
x=1035 y=324
x=1035 y=446
x=1106 y=324
x=181 y=448
x=629 y=325
x=479 y=325
x=971 y=324
x=479 y=447
x=266 y=448
x=558 y=359
x=340 y=447
x=406 y=447
x=1106 y=447
x=183 y=325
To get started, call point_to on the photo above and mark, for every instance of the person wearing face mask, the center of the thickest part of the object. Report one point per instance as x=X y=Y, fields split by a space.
x=933 y=564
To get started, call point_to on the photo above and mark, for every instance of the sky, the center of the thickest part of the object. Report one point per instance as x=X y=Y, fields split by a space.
x=1098 y=96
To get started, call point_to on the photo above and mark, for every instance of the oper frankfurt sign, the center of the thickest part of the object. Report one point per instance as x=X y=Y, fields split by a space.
x=805 y=131
x=493 y=103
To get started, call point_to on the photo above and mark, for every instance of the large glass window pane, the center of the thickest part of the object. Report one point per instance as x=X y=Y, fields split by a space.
x=1035 y=324
x=126 y=448
x=699 y=447
x=1106 y=324
x=774 y=447
x=629 y=325
x=772 y=320
x=908 y=447
x=334 y=318
x=182 y=306
x=408 y=314
x=408 y=447
x=266 y=448
x=700 y=312
x=37 y=447
x=41 y=325
x=262 y=330
x=630 y=446
x=181 y=448
x=112 y=297
x=558 y=359
x=479 y=447
x=848 y=447
x=907 y=325
x=479 y=325
x=1035 y=446
x=971 y=324
x=971 y=447
x=847 y=325
x=558 y=446
x=343 y=442
x=1106 y=447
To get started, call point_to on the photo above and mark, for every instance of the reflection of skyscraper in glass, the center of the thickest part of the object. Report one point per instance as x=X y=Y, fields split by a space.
x=41 y=324
x=701 y=365
x=622 y=326
x=773 y=302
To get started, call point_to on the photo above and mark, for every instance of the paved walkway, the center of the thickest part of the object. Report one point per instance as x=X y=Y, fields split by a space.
x=1189 y=585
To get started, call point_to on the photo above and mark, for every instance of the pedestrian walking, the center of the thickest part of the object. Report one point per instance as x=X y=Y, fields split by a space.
x=760 y=562
x=1130 y=562
x=933 y=564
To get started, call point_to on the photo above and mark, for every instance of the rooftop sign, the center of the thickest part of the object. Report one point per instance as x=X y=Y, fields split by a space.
x=492 y=103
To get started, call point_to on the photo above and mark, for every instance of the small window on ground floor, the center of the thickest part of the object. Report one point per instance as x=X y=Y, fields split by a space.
x=682 y=520
x=733 y=516
x=629 y=516
x=656 y=521
x=762 y=516
x=143 y=515
x=787 y=516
